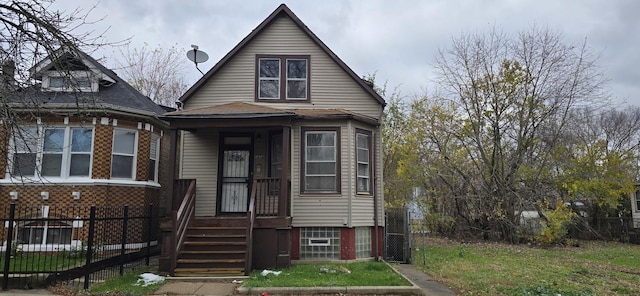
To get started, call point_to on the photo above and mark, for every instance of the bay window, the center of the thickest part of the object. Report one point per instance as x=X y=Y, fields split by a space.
x=52 y=152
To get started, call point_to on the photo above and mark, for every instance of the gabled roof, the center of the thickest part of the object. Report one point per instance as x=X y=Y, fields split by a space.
x=282 y=10
x=113 y=94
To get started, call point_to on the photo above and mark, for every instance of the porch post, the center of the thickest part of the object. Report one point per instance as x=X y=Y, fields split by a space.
x=172 y=203
x=284 y=176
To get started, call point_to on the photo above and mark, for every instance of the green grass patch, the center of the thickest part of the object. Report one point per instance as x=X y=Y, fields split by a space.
x=594 y=268
x=328 y=275
x=33 y=261
x=124 y=285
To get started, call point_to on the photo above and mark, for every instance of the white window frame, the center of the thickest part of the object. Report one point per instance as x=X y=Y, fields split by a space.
x=40 y=153
x=70 y=81
x=29 y=148
x=155 y=139
x=134 y=155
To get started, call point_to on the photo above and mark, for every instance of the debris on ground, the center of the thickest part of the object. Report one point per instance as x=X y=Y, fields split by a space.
x=266 y=272
x=149 y=279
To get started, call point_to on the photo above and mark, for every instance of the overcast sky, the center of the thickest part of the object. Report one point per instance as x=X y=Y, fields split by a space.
x=396 y=39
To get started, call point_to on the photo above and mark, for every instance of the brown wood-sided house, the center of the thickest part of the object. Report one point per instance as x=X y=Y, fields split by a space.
x=81 y=137
x=278 y=153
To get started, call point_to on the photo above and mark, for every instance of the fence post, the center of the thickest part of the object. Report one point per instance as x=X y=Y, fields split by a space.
x=92 y=222
x=149 y=234
x=123 y=240
x=7 y=250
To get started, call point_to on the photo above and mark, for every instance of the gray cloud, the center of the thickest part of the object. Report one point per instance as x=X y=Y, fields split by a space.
x=397 y=39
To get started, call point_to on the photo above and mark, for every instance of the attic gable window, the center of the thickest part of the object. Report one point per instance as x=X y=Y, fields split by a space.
x=282 y=78
x=73 y=81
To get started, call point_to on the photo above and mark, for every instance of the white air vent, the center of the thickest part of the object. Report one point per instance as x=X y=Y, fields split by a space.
x=319 y=242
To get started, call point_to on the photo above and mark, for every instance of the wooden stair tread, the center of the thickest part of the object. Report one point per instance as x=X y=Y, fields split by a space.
x=216 y=228
x=191 y=243
x=210 y=260
x=208 y=271
x=215 y=235
x=212 y=252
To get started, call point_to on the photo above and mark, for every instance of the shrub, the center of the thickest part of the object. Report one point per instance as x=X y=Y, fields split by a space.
x=555 y=229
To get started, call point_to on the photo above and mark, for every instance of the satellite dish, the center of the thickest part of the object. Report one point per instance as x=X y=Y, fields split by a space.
x=197 y=56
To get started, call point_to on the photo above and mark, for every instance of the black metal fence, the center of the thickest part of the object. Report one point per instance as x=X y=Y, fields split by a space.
x=46 y=245
x=397 y=235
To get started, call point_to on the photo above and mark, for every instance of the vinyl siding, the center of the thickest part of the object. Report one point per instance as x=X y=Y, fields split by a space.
x=199 y=161
x=331 y=87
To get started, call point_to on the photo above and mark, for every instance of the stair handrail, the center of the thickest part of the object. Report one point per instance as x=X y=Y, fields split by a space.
x=251 y=217
x=181 y=218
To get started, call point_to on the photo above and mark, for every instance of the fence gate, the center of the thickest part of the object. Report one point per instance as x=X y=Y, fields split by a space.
x=397 y=236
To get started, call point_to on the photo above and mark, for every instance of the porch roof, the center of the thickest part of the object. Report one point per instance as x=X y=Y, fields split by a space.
x=244 y=111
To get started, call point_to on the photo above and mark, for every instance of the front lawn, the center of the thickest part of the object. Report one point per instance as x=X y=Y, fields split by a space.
x=328 y=275
x=592 y=268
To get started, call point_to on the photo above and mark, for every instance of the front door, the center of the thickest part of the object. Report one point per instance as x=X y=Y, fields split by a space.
x=236 y=174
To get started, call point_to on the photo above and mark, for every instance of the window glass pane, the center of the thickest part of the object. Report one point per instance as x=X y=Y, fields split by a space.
x=24 y=164
x=321 y=168
x=321 y=183
x=80 y=165
x=26 y=140
x=363 y=170
x=363 y=185
x=321 y=139
x=36 y=235
x=363 y=141
x=82 y=82
x=297 y=89
x=363 y=155
x=51 y=164
x=58 y=236
x=296 y=68
x=123 y=141
x=276 y=156
x=321 y=154
x=56 y=82
x=270 y=68
x=81 y=140
x=152 y=170
x=53 y=139
x=122 y=166
x=269 y=89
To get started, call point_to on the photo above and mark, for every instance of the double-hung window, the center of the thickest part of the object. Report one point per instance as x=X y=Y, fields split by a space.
x=282 y=78
x=25 y=152
x=321 y=170
x=363 y=162
x=124 y=154
x=53 y=152
x=154 y=153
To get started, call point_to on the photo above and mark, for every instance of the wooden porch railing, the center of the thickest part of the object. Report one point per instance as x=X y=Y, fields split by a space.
x=267 y=197
x=181 y=217
x=251 y=217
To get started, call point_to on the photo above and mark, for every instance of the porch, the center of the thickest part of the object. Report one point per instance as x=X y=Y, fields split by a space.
x=227 y=245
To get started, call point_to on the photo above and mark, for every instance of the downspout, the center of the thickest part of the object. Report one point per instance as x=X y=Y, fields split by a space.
x=350 y=148
x=375 y=197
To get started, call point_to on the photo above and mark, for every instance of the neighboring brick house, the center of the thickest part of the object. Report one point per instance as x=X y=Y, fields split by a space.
x=282 y=129
x=82 y=137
